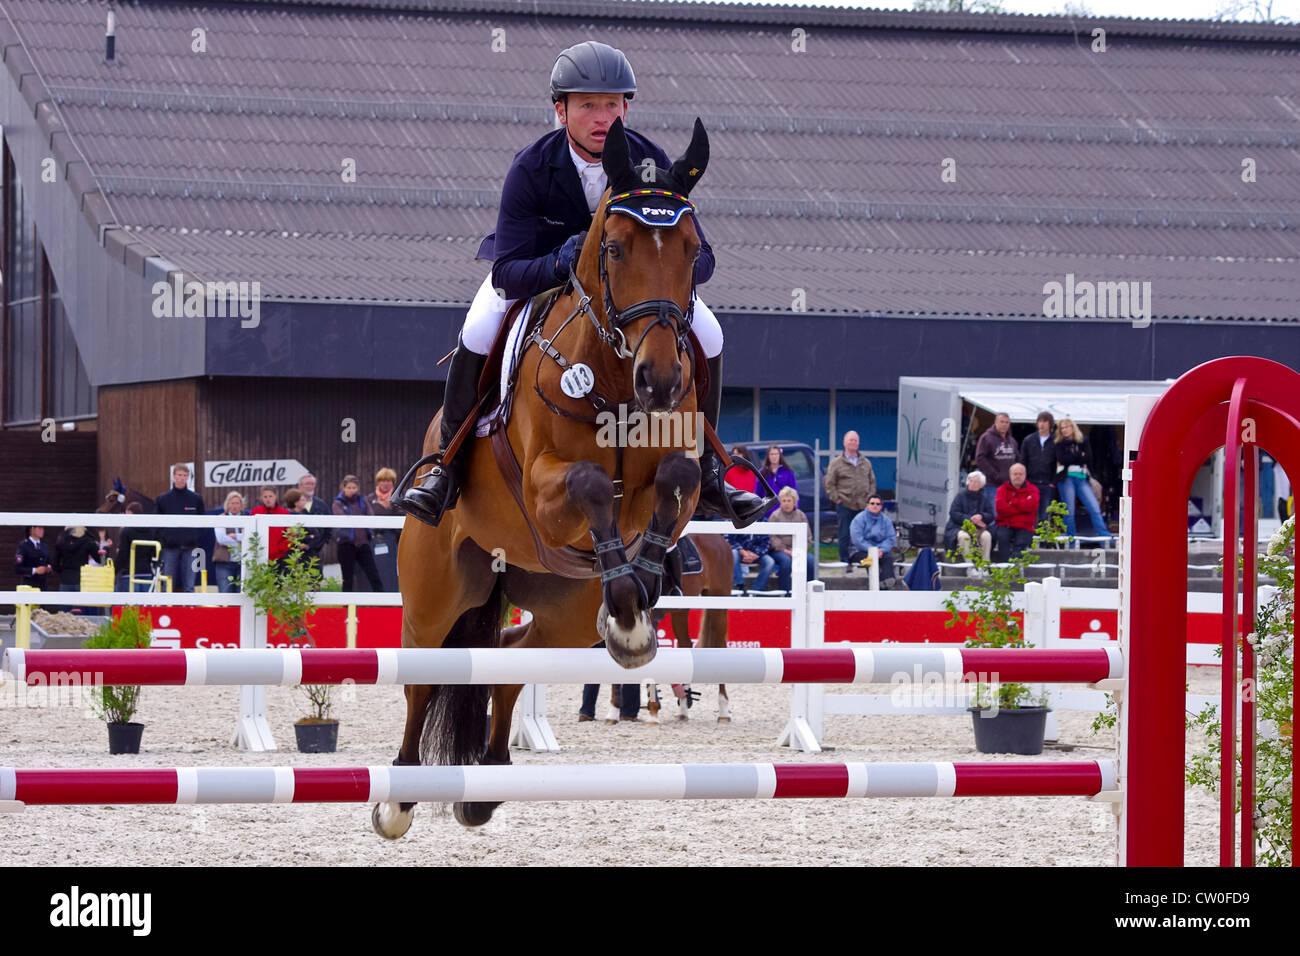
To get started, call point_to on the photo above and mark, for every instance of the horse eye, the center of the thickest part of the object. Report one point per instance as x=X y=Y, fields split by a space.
x=615 y=251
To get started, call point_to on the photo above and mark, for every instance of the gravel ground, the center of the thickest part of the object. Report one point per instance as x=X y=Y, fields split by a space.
x=192 y=726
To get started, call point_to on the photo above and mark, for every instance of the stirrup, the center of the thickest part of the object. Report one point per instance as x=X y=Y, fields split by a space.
x=728 y=509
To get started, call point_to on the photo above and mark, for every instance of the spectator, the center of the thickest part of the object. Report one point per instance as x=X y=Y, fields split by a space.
x=849 y=481
x=317 y=537
x=750 y=549
x=225 y=556
x=179 y=544
x=737 y=475
x=782 y=545
x=104 y=550
x=144 y=555
x=72 y=551
x=627 y=698
x=874 y=529
x=385 y=539
x=997 y=451
x=777 y=474
x=1038 y=454
x=276 y=546
x=1072 y=458
x=354 y=543
x=32 y=560
x=1017 y=510
x=1282 y=488
x=969 y=503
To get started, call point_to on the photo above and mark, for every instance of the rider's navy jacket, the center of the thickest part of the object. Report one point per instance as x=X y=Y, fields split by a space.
x=542 y=205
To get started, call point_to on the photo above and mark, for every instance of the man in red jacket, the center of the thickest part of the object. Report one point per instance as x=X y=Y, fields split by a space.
x=1017 y=507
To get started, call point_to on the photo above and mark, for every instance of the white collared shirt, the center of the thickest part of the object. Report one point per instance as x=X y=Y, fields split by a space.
x=592 y=176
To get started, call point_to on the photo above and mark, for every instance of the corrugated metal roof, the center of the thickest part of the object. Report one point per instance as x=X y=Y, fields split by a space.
x=826 y=165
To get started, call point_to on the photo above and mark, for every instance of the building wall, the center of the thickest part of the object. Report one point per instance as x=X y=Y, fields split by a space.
x=43 y=476
x=144 y=428
x=333 y=427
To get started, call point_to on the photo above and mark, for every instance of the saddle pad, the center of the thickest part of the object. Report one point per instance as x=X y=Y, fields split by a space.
x=514 y=343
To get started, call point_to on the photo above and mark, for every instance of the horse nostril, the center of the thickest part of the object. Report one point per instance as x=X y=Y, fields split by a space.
x=643 y=382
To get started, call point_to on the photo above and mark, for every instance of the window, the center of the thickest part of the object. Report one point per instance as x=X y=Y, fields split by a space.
x=39 y=350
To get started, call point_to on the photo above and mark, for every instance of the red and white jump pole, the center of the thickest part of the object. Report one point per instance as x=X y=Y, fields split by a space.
x=855 y=665
x=761 y=781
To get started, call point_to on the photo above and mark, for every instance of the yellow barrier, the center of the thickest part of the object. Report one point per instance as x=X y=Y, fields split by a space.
x=23 y=621
x=352 y=625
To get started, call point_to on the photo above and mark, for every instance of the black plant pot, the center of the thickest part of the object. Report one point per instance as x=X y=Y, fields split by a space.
x=1016 y=730
x=124 y=738
x=317 y=738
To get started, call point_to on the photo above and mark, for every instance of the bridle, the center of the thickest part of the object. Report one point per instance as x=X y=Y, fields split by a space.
x=666 y=312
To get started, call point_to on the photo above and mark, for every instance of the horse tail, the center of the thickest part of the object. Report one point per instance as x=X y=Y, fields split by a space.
x=455 y=719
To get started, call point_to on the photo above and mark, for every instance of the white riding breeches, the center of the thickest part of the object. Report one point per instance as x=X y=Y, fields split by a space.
x=488 y=310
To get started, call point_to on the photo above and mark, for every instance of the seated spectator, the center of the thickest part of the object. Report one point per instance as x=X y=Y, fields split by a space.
x=277 y=547
x=739 y=477
x=969 y=503
x=1017 y=505
x=782 y=545
x=225 y=556
x=872 y=528
x=777 y=474
x=751 y=549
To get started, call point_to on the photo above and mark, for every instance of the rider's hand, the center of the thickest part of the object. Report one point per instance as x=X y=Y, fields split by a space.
x=568 y=254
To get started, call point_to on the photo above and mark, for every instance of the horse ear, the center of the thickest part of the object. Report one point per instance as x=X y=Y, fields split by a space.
x=616 y=158
x=688 y=170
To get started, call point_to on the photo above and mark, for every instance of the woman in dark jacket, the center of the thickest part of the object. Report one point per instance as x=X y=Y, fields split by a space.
x=968 y=503
x=1072 y=458
x=354 y=543
x=72 y=551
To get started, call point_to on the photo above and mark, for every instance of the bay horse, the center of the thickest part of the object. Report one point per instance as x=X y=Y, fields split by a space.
x=548 y=512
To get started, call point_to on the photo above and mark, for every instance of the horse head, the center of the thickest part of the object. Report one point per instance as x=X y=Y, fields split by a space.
x=645 y=264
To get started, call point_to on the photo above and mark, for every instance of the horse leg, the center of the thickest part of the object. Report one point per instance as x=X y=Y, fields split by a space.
x=624 y=620
x=391 y=820
x=434 y=617
x=611 y=716
x=724 y=705
x=677 y=478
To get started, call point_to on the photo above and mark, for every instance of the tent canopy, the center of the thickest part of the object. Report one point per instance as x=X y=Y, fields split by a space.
x=1088 y=403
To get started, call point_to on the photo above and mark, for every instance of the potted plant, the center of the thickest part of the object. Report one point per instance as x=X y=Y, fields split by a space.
x=282 y=590
x=117 y=705
x=1008 y=717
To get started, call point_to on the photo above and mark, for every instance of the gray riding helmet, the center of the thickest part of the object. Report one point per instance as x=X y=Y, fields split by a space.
x=591 y=67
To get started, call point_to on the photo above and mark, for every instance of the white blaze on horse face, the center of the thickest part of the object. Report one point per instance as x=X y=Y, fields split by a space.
x=659 y=242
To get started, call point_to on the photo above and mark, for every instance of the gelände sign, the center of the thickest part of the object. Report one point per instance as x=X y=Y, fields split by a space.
x=274 y=471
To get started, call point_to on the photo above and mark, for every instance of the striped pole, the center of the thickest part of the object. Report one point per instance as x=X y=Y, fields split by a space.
x=761 y=781
x=839 y=665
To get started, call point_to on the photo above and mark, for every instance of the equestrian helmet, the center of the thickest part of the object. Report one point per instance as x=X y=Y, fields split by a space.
x=591 y=67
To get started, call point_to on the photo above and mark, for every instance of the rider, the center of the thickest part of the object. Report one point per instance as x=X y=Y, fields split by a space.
x=547 y=203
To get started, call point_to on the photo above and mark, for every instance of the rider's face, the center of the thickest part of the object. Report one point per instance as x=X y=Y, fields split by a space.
x=588 y=117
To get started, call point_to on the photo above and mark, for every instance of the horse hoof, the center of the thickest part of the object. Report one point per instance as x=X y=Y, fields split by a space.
x=473 y=814
x=390 y=820
x=630 y=648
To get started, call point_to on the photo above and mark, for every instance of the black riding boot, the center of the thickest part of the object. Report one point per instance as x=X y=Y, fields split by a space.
x=437 y=493
x=744 y=508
